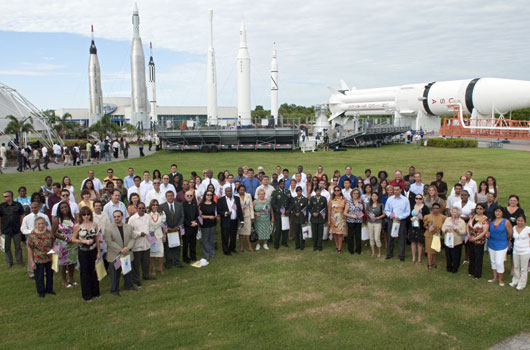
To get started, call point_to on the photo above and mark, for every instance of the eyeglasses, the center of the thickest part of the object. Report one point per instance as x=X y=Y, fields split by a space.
x=209 y=195
x=479 y=208
x=63 y=195
x=141 y=208
x=337 y=191
x=189 y=196
x=86 y=215
x=155 y=205
x=156 y=183
x=419 y=198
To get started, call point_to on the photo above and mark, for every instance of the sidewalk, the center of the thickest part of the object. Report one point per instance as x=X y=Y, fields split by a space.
x=133 y=153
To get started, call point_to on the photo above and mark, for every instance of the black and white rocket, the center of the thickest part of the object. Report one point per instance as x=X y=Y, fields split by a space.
x=152 y=86
x=243 y=79
x=95 y=105
x=139 y=106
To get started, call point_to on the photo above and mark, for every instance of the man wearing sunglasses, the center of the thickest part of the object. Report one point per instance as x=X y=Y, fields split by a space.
x=65 y=197
x=156 y=193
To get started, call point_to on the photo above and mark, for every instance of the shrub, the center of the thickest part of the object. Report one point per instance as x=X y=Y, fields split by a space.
x=452 y=143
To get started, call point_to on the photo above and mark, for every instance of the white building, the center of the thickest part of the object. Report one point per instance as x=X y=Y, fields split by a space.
x=119 y=109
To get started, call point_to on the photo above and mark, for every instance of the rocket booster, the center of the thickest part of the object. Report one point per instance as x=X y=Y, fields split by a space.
x=95 y=110
x=140 y=108
x=274 y=87
x=211 y=77
x=480 y=97
x=243 y=79
x=152 y=85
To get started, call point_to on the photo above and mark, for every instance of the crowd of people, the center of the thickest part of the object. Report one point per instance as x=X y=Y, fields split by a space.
x=95 y=151
x=153 y=221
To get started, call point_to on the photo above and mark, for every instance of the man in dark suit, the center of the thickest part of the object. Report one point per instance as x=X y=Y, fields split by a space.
x=174 y=218
x=229 y=209
x=174 y=174
x=120 y=241
x=318 y=209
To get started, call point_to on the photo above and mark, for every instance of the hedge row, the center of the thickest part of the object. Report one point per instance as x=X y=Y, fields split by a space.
x=451 y=143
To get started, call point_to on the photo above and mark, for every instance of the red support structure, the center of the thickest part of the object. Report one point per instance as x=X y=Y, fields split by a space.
x=458 y=126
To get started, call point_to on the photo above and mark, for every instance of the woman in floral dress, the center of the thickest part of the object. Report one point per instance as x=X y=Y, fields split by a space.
x=336 y=221
x=157 y=225
x=63 y=225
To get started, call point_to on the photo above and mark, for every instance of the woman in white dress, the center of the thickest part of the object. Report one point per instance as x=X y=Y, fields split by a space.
x=248 y=214
x=158 y=226
x=67 y=184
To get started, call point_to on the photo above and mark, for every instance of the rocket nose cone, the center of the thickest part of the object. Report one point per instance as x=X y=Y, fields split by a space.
x=93 y=49
x=151 y=61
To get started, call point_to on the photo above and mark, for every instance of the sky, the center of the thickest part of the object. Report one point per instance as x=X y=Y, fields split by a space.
x=45 y=46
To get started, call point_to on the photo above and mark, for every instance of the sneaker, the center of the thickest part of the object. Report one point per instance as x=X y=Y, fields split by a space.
x=519 y=288
x=265 y=246
x=465 y=262
x=512 y=284
x=258 y=246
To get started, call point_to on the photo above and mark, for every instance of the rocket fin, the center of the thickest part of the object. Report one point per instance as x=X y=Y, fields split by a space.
x=334 y=92
x=344 y=86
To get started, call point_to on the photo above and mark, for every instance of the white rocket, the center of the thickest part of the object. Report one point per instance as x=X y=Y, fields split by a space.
x=152 y=85
x=95 y=106
x=140 y=107
x=243 y=79
x=274 y=87
x=421 y=105
x=211 y=77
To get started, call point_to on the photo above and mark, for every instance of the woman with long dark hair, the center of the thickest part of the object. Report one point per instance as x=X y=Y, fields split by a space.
x=63 y=225
x=85 y=235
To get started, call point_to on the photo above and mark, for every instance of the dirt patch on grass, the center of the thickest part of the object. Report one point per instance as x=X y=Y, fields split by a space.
x=361 y=311
x=300 y=297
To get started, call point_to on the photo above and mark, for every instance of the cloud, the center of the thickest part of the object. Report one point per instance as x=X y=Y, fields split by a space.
x=366 y=43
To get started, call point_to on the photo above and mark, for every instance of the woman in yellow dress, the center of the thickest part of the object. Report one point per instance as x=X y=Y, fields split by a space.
x=336 y=219
x=433 y=226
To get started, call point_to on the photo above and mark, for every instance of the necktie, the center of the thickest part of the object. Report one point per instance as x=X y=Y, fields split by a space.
x=172 y=208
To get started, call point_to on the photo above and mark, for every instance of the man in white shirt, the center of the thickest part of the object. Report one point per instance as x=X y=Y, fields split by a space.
x=208 y=180
x=146 y=185
x=3 y=154
x=229 y=183
x=65 y=197
x=465 y=186
x=142 y=248
x=136 y=188
x=98 y=186
x=323 y=191
x=155 y=193
x=298 y=178
x=166 y=186
x=304 y=177
x=56 y=152
x=28 y=225
x=455 y=196
x=44 y=151
x=114 y=205
x=472 y=183
x=346 y=191
x=265 y=187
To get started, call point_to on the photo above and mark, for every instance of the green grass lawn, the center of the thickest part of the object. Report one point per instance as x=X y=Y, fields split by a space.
x=286 y=298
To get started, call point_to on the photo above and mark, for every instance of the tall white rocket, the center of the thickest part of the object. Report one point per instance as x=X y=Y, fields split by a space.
x=95 y=106
x=152 y=85
x=274 y=86
x=243 y=79
x=211 y=77
x=140 y=107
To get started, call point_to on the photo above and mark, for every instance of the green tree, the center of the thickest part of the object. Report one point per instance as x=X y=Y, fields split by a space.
x=104 y=126
x=18 y=126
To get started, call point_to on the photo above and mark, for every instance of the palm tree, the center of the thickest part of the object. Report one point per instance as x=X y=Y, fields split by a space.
x=104 y=126
x=18 y=126
x=63 y=124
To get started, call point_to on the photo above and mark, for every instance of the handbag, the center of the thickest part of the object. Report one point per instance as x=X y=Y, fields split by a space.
x=306 y=232
x=253 y=234
x=449 y=240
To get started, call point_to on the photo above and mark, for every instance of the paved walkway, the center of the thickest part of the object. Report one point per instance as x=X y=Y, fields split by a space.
x=133 y=153
x=518 y=342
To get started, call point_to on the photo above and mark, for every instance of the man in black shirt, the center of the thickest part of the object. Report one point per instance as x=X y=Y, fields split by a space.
x=441 y=186
x=11 y=216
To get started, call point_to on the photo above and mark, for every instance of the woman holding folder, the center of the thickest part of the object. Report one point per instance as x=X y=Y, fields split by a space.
x=85 y=235
x=433 y=226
